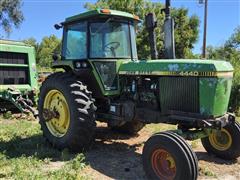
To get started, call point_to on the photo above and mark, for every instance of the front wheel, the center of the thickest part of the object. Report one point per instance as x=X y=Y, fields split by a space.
x=166 y=156
x=224 y=143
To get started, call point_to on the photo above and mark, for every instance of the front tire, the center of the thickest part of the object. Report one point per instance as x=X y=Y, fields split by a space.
x=225 y=143
x=166 y=156
x=69 y=105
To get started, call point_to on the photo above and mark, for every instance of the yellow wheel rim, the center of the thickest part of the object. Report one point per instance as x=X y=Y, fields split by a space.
x=221 y=140
x=55 y=101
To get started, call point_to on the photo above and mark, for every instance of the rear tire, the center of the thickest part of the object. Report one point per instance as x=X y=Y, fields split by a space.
x=130 y=128
x=225 y=143
x=74 y=126
x=165 y=156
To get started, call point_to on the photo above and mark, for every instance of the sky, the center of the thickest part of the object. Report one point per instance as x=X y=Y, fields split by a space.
x=41 y=15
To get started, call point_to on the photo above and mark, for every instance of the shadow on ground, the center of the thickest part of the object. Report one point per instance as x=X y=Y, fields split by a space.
x=114 y=158
x=204 y=156
x=33 y=146
x=110 y=155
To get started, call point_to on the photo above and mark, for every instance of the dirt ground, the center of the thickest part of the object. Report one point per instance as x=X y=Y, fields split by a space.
x=112 y=156
x=116 y=156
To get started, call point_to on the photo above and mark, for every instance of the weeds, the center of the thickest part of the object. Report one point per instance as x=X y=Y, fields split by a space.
x=207 y=172
x=24 y=154
x=7 y=115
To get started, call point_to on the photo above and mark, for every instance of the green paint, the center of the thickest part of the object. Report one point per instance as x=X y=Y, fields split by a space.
x=97 y=12
x=221 y=98
x=214 y=92
x=19 y=47
x=214 y=95
x=19 y=89
x=13 y=65
x=177 y=65
x=99 y=80
x=194 y=135
x=9 y=96
x=214 y=76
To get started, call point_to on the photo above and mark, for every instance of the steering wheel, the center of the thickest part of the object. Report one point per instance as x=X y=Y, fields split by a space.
x=112 y=46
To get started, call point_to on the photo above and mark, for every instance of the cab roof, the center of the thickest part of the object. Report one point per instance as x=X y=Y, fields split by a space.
x=101 y=12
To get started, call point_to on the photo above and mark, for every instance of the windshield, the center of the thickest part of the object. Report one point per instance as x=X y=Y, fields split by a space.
x=111 y=39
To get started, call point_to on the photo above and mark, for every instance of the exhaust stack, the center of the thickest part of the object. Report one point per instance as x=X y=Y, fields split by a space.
x=168 y=28
x=151 y=24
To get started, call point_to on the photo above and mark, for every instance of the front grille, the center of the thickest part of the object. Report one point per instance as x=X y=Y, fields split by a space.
x=179 y=94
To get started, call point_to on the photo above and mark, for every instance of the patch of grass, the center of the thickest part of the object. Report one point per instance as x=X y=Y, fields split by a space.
x=207 y=172
x=24 y=154
x=194 y=144
x=7 y=115
x=154 y=128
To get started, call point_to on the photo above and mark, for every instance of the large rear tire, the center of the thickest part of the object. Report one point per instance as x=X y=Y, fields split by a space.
x=225 y=143
x=66 y=112
x=166 y=156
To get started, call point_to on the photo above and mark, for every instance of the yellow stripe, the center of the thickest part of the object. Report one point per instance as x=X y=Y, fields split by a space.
x=182 y=73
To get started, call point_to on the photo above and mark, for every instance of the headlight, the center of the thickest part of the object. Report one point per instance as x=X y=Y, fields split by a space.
x=78 y=65
x=84 y=65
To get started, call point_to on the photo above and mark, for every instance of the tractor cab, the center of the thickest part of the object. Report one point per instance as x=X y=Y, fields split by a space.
x=96 y=43
x=99 y=41
x=100 y=34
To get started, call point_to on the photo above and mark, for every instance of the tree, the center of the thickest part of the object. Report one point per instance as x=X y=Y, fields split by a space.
x=47 y=47
x=10 y=14
x=186 y=28
x=33 y=42
x=230 y=51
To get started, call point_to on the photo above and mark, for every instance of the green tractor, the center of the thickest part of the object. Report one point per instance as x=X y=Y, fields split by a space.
x=105 y=81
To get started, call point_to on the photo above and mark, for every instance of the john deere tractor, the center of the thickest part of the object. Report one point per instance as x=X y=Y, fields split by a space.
x=104 y=80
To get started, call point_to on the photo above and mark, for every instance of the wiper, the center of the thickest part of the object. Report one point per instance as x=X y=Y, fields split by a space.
x=101 y=27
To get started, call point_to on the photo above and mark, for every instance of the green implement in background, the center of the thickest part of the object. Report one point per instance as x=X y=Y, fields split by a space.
x=18 y=76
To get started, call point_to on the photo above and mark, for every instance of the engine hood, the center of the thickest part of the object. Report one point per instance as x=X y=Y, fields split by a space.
x=177 y=67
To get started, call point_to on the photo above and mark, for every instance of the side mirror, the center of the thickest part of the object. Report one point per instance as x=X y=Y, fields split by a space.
x=57 y=26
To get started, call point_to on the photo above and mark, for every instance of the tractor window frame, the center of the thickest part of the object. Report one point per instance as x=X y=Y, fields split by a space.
x=132 y=38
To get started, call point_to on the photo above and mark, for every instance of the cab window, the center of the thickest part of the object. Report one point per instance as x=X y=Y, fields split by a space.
x=75 y=41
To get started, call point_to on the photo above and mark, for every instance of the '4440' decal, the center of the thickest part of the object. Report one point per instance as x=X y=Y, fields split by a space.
x=178 y=73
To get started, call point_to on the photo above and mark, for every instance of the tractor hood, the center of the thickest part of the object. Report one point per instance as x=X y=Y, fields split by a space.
x=178 y=67
x=206 y=83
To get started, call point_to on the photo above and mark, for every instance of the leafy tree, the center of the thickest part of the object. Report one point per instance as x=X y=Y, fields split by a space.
x=33 y=42
x=230 y=51
x=10 y=14
x=47 y=47
x=186 y=28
